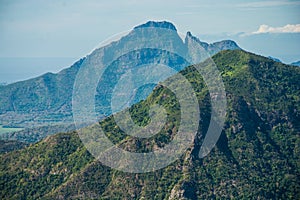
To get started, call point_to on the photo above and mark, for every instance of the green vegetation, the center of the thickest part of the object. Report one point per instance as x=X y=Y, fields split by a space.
x=33 y=135
x=11 y=145
x=256 y=157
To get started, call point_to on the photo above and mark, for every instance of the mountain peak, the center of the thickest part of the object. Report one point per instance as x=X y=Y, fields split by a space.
x=162 y=24
x=226 y=44
x=215 y=47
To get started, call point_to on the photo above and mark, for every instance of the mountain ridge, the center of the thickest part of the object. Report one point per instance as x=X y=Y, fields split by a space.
x=297 y=63
x=257 y=155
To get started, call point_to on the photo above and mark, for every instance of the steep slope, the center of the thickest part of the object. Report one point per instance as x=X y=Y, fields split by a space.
x=47 y=99
x=257 y=155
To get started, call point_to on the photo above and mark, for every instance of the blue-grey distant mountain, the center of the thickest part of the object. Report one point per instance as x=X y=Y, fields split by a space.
x=296 y=63
x=217 y=46
x=47 y=99
x=162 y=24
x=274 y=59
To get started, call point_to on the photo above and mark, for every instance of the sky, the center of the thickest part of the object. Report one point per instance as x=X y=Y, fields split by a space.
x=40 y=36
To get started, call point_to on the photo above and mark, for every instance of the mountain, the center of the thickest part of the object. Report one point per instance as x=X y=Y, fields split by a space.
x=257 y=155
x=39 y=100
x=47 y=99
x=162 y=24
x=296 y=63
x=275 y=59
x=215 y=47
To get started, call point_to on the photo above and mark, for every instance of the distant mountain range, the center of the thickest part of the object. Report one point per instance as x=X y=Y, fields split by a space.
x=46 y=100
x=275 y=59
x=296 y=63
x=256 y=157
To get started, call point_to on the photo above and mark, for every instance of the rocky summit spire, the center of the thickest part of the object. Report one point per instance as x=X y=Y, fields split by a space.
x=162 y=24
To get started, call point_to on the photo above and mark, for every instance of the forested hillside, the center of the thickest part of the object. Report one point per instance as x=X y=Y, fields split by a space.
x=256 y=157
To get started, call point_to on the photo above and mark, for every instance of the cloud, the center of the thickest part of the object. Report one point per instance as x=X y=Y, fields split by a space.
x=262 y=4
x=289 y=28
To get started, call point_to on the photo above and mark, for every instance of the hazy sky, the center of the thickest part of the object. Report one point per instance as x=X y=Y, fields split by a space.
x=71 y=29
